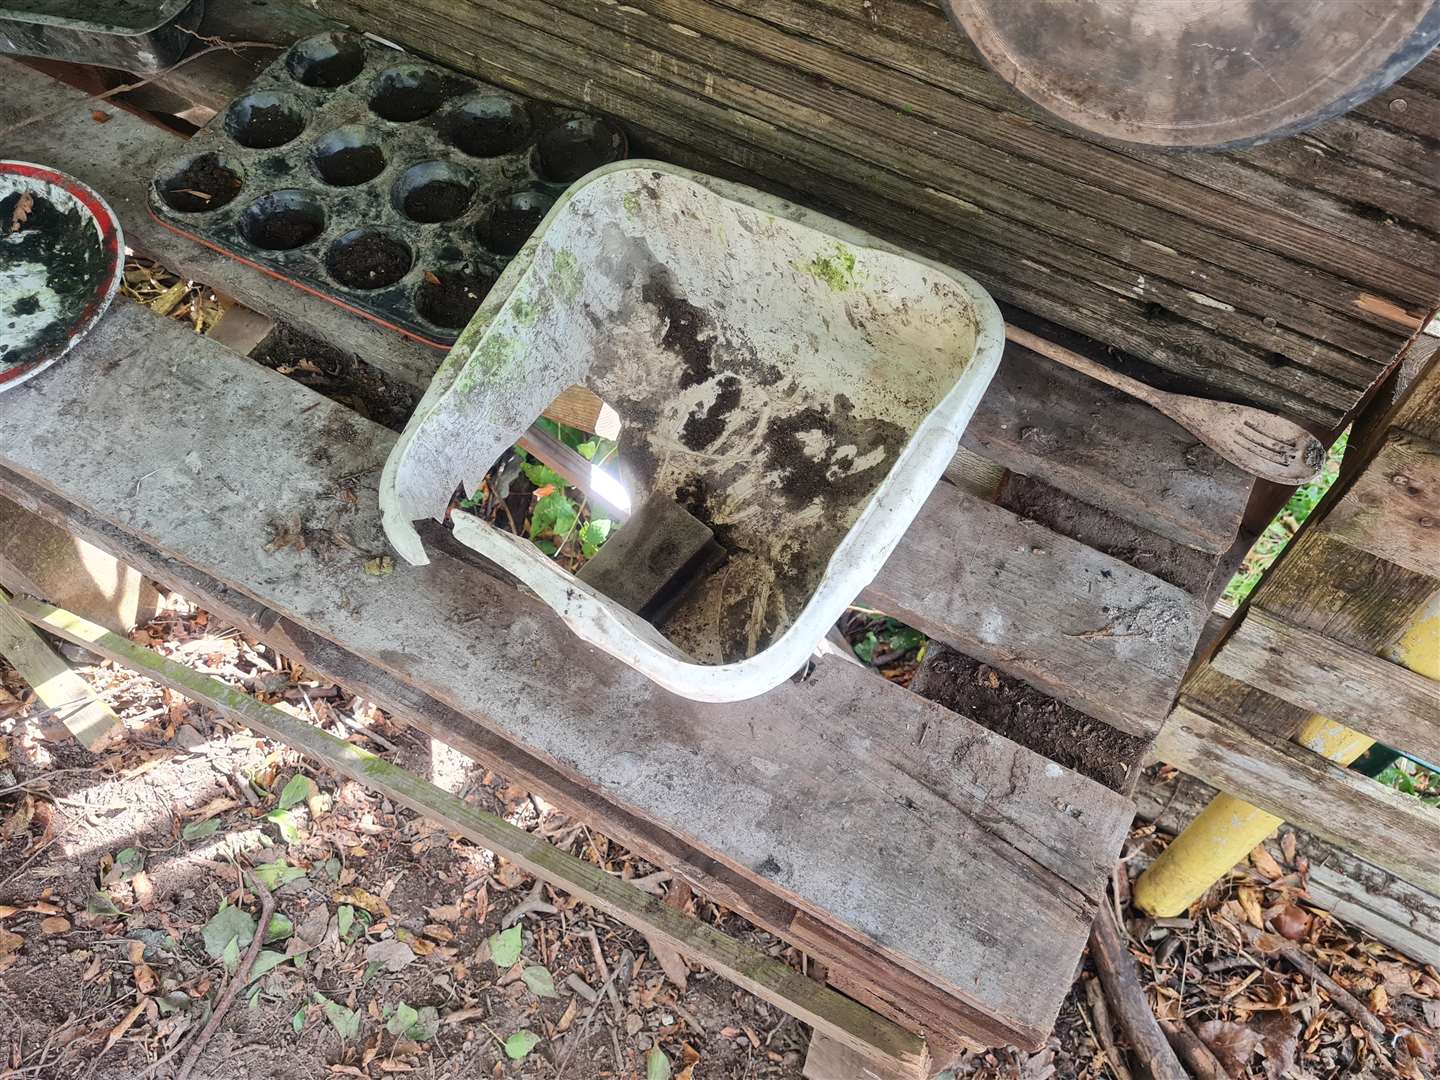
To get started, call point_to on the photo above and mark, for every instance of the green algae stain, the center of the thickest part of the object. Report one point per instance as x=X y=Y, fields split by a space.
x=837 y=270
x=526 y=312
x=566 y=277
x=631 y=201
x=489 y=360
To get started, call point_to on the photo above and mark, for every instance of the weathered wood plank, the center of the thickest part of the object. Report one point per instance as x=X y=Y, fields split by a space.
x=822 y=788
x=858 y=1029
x=86 y=716
x=1393 y=508
x=1087 y=628
x=1357 y=892
x=852 y=967
x=1390 y=702
x=1390 y=829
x=1049 y=422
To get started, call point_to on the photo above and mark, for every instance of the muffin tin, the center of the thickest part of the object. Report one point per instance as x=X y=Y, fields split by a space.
x=393 y=187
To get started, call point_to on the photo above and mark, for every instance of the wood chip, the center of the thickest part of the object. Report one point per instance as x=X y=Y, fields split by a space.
x=55 y=924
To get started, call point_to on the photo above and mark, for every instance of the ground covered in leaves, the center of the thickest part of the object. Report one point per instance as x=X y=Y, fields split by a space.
x=126 y=901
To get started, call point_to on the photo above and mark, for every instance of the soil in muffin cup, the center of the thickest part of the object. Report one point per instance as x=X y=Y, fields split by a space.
x=370 y=262
x=204 y=185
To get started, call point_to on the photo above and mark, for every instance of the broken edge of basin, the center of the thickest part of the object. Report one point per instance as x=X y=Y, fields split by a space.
x=853 y=564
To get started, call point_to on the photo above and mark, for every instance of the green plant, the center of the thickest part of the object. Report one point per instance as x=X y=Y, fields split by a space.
x=1285 y=525
x=888 y=641
x=1412 y=778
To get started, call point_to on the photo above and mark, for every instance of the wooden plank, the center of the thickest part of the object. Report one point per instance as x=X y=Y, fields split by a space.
x=830 y=1059
x=1042 y=420
x=86 y=716
x=651 y=87
x=839 y=1018
x=1357 y=892
x=1390 y=829
x=821 y=788
x=118 y=159
x=851 y=966
x=1087 y=628
x=1393 y=508
x=1395 y=705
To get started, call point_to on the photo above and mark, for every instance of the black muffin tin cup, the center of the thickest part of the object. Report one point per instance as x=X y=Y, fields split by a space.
x=394 y=187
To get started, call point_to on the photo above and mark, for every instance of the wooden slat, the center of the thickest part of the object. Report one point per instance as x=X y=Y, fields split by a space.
x=852 y=967
x=960 y=856
x=1390 y=702
x=59 y=689
x=1087 y=628
x=1393 y=508
x=1390 y=829
x=855 y=1027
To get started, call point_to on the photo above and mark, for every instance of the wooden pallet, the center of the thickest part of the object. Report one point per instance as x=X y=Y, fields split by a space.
x=918 y=917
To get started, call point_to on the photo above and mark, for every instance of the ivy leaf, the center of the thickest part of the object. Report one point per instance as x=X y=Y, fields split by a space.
x=297 y=1022
x=231 y=955
x=657 y=1065
x=520 y=1044
x=344 y=919
x=865 y=647
x=401 y=1019
x=539 y=981
x=505 y=947
x=267 y=960
x=229 y=924
x=280 y=927
x=345 y=1021
x=541 y=475
x=200 y=830
x=277 y=873
x=592 y=534
x=299 y=788
x=424 y=1029
x=285 y=821
x=553 y=515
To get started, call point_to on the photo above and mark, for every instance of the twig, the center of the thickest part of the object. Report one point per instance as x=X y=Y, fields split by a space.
x=239 y=979
x=584 y=1027
x=1274 y=943
x=1198 y=1057
x=1127 y=1001
x=1105 y=1030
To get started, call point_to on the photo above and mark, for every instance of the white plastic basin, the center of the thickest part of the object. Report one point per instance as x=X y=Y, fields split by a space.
x=798 y=385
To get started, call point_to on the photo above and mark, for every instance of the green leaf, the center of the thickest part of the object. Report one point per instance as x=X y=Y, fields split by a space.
x=553 y=515
x=505 y=947
x=546 y=547
x=424 y=1029
x=520 y=1044
x=401 y=1019
x=231 y=955
x=865 y=647
x=285 y=821
x=345 y=1022
x=905 y=639
x=592 y=534
x=265 y=962
x=279 y=929
x=539 y=981
x=200 y=830
x=299 y=788
x=587 y=449
x=101 y=903
x=297 y=1022
x=540 y=475
x=344 y=919
x=277 y=873
x=226 y=925
x=657 y=1065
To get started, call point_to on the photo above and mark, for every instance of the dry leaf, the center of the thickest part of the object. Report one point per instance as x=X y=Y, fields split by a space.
x=1292 y=921
x=1249 y=898
x=124 y=1025
x=100 y=116
x=6 y=911
x=55 y=924
x=1288 y=847
x=145 y=980
x=362 y=899
x=23 y=206
x=568 y=1017
x=1266 y=864
x=9 y=943
x=1232 y=1043
x=1279 y=1040
x=445 y=912
x=1379 y=1000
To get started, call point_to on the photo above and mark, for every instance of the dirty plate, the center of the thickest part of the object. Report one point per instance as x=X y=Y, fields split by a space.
x=61 y=257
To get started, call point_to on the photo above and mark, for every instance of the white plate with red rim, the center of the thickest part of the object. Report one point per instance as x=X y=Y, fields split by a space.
x=62 y=253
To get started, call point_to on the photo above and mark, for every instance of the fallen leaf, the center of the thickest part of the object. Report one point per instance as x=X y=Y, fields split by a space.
x=1232 y=1043
x=393 y=954
x=145 y=980
x=1266 y=864
x=520 y=1044
x=568 y=1017
x=539 y=981
x=505 y=947
x=445 y=912
x=362 y=899
x=100 y=116
x=1288 y=847
x=9 y=943
x=657 y=1065
x=124 y=1025
x=55 y=924
x=438 y=932
x=6 y=911
x=1279 y=1040
x=228 y=924
x=23 y=206
x=1292 y=921
x=1249 y=898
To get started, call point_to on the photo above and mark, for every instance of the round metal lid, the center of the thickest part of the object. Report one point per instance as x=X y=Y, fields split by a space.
x=1199 y=73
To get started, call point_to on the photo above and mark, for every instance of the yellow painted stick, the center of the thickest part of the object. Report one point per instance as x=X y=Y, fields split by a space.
x=1228 y=829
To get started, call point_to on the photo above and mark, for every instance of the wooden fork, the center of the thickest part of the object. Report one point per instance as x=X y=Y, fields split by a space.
x=1261 y=443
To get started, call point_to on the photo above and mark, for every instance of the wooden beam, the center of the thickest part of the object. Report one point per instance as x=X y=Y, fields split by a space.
x=1393 y=508
x=856 y=1027
x=1390 y=829
x=1363 y=691
x=800 y=788
x=83 y=713
x=1100 y=635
